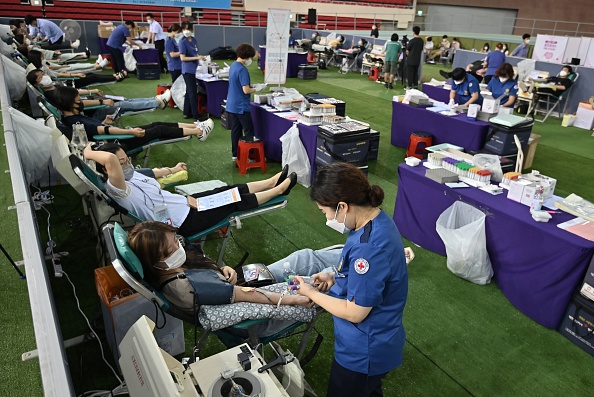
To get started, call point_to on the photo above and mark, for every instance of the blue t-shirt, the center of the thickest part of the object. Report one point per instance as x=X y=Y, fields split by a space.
x=497 y=88
x=49 y=30
x=118 y=37
x=469 y=86
x=188 y=47
x=494 y=60
x=374 y=267
x=237 y=101
x=171 y=46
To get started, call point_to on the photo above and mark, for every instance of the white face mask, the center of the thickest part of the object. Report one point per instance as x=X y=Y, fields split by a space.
x=248 y=62
x=187 y=33
x=46 y=81
x=128 y=171
x=27 y=41
x=486 y=48
x=176 y=259
x=360 y=42
x=459 y=82
x=527 y=41
x=178 y=36
x=149 y=21
x=503 y=79
x=563 y=73
x=338 y=226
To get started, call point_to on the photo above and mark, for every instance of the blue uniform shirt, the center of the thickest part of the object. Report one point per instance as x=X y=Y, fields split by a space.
x=118 y=37
x=520 y=51
x=494 y=60
x=497 y=88
x=171 y=46
x=188 y=47
x=376 y=276
x=237 y=101
x=49 y=30
x=469 y=86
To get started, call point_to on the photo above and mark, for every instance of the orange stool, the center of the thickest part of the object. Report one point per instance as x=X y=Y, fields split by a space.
x=418 y=142
x=253 y=151
x=108 y=56
x=161 y=88
x=374 y=73
x=311 y=58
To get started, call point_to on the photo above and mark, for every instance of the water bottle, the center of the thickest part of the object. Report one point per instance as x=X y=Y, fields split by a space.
x=288 y=272
x=303 y=107
x=538 y=199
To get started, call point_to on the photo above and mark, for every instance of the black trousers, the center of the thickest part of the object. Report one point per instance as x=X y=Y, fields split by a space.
x=153 y=131
x=196 y=221
x=344 y=382
x=93 y=79
x=117 y=58
x=412 y=75
x=160 y=46
x=191 y=97
x=241 y=123
x=174 y=75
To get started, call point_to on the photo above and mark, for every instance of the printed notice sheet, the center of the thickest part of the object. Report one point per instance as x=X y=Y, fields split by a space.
x=218 y=199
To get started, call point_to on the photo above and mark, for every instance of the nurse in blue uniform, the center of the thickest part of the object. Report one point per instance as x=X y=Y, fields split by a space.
x=174 y=64
x=188 y=53
x=368 y=290
x=467 y=87
x=504 y=85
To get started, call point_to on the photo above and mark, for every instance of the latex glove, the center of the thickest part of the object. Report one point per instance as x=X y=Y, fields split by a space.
x=259 y=87
x=451 y=102
x=409 y=254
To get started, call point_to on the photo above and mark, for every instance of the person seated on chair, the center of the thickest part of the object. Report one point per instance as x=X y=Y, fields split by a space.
x=144 y=197
x=456 y=44
x=504 y=86
x=25 y=45
x=554 y=85
x=360 y=46
x=466 y=86
x=68 y=101
x=337 y=43
x=486 y=48
x=429 y=45
x=443 y=47
x=392 y=50
x=307 y=44
x=167 y=265
x=492 y=62
x=38 y=78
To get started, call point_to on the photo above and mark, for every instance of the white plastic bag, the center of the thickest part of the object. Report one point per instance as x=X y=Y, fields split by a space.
x=178 y=92
x=525 y=67
x=129 y=59
x=295 y=156
x=462 y=229
x=489 y=162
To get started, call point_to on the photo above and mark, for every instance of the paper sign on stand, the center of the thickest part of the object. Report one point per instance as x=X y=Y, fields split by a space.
x=549 y=48
x=277 y=46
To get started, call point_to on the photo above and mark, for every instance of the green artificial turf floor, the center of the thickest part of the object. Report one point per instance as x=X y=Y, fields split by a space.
x=462 y=339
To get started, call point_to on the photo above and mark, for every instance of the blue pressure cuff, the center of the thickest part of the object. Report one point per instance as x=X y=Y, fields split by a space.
x=209 y=288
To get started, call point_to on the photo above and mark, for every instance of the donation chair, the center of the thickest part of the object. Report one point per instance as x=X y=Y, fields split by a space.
x=97 y=187
x=129 y=268
x=548 y=102
x=349 y=61
x=447 y=56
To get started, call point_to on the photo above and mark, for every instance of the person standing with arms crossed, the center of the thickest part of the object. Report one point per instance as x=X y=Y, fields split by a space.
x=414 y=51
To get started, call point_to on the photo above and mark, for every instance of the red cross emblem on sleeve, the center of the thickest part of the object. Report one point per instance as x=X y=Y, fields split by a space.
x=361 y=266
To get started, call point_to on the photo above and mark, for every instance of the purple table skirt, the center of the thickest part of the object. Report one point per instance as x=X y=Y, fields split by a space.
x=457 y=130
x=150 y=55
x=216 y=93
x=537 y=265
x=437 y=93
x=269 y=127
x=293 y=62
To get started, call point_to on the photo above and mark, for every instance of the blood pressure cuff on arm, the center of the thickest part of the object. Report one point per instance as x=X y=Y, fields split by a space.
x=209 y=288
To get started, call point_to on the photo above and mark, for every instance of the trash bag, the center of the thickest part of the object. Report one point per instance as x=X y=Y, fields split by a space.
x=489 y=162
x=525 y=67
x=129 y=59
x=295 y=156
x=178 y=92
x=462 y=229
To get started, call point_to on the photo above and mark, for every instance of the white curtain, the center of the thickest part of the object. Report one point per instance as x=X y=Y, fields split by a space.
x=15 y=78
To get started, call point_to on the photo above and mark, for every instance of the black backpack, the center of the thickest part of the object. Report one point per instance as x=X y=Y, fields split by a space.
x=223 y=53
x=322 y=64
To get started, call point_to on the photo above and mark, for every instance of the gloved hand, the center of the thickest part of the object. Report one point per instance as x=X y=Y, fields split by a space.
x=451 y=102
x=259 y=87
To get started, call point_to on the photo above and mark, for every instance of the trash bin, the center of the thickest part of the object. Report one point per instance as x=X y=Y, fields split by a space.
x=122 y=307
x=462 y=229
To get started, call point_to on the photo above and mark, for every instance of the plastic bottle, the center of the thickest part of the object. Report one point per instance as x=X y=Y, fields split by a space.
x=288 y=271
x=538 y=199
x=303 y=107
x=79 y=137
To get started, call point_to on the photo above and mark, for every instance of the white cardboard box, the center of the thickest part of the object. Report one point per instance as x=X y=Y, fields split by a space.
x=490 y=105
x=584 y=118
x=473 y=111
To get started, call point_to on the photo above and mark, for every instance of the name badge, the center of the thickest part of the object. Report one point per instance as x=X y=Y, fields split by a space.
x=162 y=214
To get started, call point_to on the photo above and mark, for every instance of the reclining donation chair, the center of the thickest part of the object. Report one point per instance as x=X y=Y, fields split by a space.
x=349 y=61
x=96 y=186
x=215 y=319
x=548 y=102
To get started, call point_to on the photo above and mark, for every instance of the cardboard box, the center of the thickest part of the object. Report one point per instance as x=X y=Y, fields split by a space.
x=490 y=105
x=105 y=31
x=584 y=118
x=530 y=150
x=473 y=111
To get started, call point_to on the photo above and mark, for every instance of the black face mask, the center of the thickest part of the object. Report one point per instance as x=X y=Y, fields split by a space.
x=80 y=106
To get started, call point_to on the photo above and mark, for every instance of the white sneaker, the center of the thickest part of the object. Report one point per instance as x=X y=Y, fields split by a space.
x=76 y=44
x=163 y=99
x=99 y=58
x=206 y=127
x=104 y=62
x=234 y=159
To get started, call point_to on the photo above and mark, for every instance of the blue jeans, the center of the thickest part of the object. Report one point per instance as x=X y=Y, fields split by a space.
x=126 y=105
x=307 y=262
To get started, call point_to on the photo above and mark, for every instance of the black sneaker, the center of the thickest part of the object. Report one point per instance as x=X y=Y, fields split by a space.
x=391 y=86
x=445 y=74
x=387 y=85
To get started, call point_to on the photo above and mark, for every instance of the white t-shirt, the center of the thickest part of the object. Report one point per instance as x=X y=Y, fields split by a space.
x=155 y=28
x=143 y=194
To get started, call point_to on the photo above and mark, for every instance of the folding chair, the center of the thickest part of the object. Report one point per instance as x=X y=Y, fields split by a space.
x=129 y=267
x=447 y=56
x=548 y=102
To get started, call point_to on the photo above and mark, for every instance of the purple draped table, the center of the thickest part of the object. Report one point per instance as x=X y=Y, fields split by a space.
x=269 y=127
x=150 y=55
x=294 y=60
x=537 y=265
x=216 y=93
x=457 y=130
x=438 y=93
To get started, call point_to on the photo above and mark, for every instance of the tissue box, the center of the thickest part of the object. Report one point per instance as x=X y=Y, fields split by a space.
x=490 y=105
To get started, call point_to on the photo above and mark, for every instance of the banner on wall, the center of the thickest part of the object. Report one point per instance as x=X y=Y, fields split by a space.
x=277 y=46
x=221 y=4
x=549 y=48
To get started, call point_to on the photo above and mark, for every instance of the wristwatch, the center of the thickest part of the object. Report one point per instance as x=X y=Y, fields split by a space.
x=100 y=101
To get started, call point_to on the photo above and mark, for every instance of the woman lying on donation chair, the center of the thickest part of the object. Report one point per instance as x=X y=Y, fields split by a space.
x=170 y=267
x=68 y=101
x=143 y=196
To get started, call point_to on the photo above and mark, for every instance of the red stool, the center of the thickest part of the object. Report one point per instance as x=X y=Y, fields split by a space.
x=161 y=88
x=247 y=151
x=108 y=56
x=418 y=142
x=311 y=58
x=374 y=73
